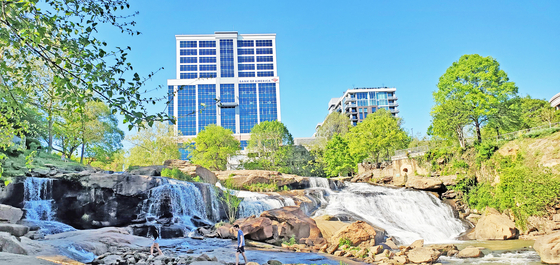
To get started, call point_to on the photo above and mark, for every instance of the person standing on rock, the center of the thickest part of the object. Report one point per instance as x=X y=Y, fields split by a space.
x=155 y=236
x=240 y=245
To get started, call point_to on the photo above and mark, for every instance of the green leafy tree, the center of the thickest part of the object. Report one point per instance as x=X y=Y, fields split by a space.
x=335 y=123
x=337 y=157
x=270 y=140
x=213 y=146
x=449 y=120
x=61 y=36
x=479 y=84
x=152 y=146
x=376 y=136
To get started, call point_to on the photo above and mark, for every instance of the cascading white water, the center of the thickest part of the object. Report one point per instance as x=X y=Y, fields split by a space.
x=39 y=205
x=255 y=203
x=183 y=200
x=405 y=214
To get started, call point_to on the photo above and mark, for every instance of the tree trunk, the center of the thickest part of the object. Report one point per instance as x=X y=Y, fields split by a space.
x=478 y=136
x=82 y=155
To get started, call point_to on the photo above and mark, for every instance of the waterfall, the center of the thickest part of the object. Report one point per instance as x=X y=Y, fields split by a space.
x=405 y=214
x=255 y=203
x=315 y=182
x=39 y=205
x=182 y=201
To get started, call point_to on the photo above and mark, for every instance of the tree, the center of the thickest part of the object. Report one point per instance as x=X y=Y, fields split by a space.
x=479 y=84
x=379 y=133
x=335 y=123
x=153 y=145
x=337 y=157
x=61 y=35
x=213 y=146
x=449 y=120
x=267 y=140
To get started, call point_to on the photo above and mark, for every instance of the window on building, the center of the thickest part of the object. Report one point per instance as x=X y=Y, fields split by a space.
x=187 y=44
x=264 y=50
x=265 y=74
x=246 y=74
x=188 y=60
x=267 y=102
x=207 y=43
x=208 y=75
x=186 y=105
x=264 y=59
x=247 y=107
x=187 y=52
x=243 y=67
x=264 y=43
x=187 y=67
x=207 y=51
x=245 y=51
x=207 y=59
x=207 y=67
x=226 y=58
x=206 y=98
x=188 y=75
x=245 y=43
x=245 y=59
x=265 y=66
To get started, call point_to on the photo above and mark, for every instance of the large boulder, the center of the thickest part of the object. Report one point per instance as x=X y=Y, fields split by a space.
x=424 y=183
x=192 y=170
x=10 y=244
x=470 y=252
x=148 y=171
x=423 y=255
x=359 y=233
x=495 y=226
x=241 y=178
x=14 y=229
x=10 y=214
x=292 y=221
x=256 y=228
x=548 y=248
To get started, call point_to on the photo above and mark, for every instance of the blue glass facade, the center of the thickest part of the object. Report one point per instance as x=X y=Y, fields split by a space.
x=226 y=58
x=186 y=107
x=170 y=101
x=267 y=102
x=207 y=105
x=247 y=107
x=235 y=104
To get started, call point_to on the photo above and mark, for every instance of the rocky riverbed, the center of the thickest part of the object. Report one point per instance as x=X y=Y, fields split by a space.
x=319 y=221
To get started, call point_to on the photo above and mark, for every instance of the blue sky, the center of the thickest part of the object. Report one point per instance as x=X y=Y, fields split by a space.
x=326 y=47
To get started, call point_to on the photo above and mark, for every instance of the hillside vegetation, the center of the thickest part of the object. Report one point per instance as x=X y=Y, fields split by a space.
x=521 y=176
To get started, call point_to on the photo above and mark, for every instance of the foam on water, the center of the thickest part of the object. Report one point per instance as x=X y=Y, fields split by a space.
x=405 y=214
x=39 y=206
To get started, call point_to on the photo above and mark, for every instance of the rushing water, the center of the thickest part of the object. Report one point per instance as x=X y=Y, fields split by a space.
x=405 y=214
x=39 y=206
x=182 y=201
x=255 y=203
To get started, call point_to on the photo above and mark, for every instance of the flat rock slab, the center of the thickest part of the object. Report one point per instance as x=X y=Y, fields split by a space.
x=209 y=262
x=14 y=259
x=14 y=229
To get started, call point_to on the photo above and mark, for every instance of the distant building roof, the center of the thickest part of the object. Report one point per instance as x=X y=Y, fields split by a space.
x=555 y=101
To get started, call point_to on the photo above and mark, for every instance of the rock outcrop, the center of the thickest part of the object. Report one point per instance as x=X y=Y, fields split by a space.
x=242 y=178
x=495 y=226
x=192 y=170
x=277 y=225
x=10 y=244
x=548 y=248
x=423 y=255
x=358 y=233
x=470 y=252
x=424 y=183
x=10 y=214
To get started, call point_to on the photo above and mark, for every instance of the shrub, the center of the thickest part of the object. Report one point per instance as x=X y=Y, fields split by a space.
x=175 y=173
x=542 y=132
x=344 y=241
x=485 y=151
x=262 y=187
x=290 y=242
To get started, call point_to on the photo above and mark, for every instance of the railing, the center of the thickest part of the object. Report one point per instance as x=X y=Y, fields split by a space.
x=418 y=149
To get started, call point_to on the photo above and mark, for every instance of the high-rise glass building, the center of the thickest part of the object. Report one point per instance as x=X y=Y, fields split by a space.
x=225 y=78
x=357 y=103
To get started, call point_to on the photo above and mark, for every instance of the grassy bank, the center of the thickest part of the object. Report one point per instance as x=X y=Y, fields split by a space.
x=521 y=177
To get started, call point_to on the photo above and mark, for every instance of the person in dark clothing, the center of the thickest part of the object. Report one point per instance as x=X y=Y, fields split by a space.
x=155 y=236
x=240 y=245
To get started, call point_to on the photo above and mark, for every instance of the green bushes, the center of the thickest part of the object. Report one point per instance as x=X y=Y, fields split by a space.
x=523 y=190
x=344 y=241
x=485 y=151
x=291 y=242
x=542 y=132
x=175 y=173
